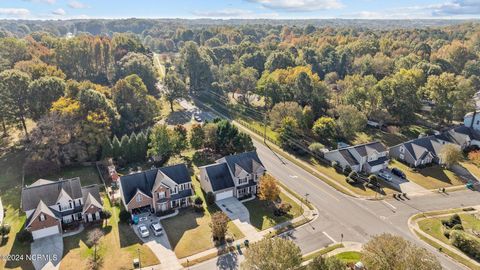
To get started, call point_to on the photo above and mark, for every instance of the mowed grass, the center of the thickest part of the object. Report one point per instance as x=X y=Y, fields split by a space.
x=189 y=232
x=349 y=256
x=88 y=175
x=261 y=212
x=117 y=248
x=433 y=226
x=10 y=190
x=433 y=177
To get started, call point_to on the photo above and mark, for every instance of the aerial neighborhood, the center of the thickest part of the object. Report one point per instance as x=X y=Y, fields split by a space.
x=239 y=135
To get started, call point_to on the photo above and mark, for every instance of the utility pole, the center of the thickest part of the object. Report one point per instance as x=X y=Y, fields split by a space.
x=139 y=260
x=265 y=116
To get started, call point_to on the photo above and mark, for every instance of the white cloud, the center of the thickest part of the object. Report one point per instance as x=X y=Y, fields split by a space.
x=299 y=5
x=457 y=7
x=224 y=13
x=77 y=5
x=59 y=12
x=14 y=12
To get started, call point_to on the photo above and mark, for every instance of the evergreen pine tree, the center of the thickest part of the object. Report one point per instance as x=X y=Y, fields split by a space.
x=133 y=155
x=107 y=149
x=116 y=147
x=124 y=147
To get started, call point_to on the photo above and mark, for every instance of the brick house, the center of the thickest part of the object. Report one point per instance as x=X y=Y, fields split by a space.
x=49 y=205
x=157 y=190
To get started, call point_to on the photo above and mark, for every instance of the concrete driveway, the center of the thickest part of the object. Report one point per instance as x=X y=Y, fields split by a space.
x=48 y=252
x=234 y=209
x=404 y=185
x=159 y=245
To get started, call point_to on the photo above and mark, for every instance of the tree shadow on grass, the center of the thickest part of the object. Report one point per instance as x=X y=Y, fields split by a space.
x=21 y=249
x=178 y=118
x=435 y=172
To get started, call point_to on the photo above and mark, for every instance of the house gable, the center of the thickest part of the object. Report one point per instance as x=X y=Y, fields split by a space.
x=140 y=199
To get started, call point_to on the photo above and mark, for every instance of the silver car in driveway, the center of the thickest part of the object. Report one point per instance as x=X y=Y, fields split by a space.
x=385 y=175
x=143 y=231
x=156 y=228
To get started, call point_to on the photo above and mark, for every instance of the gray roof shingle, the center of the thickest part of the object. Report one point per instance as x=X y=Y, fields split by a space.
x=243 y=160
x=48 y=192
x=219 y=176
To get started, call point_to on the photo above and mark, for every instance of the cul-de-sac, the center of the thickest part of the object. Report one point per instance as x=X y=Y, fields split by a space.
x=242 y=134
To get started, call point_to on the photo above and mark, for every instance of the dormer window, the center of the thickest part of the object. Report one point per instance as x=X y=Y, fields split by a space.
x=402 y=149
x=70 y=203
x=42 y=217
x=59 y=207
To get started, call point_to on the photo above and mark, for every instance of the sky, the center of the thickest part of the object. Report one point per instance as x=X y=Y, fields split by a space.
x=240 y=9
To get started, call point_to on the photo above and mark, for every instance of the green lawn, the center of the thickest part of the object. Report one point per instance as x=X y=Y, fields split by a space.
x=88 y=175
x=433 y=226
x=117 y=248
x=189 y=232
x=389 y=138
x=10 y=189
x=261 y=213
x=349 y=256
x=431 y=177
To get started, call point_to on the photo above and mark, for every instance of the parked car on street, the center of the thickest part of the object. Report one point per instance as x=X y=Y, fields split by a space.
x=398 y=173
x=156 y=228
x=143 y=230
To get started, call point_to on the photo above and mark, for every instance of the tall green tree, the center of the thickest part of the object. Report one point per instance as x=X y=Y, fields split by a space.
x=15 y=95
x=42 y=93
x=142 y=66
x=197 y=67
x=161 y=146
x=174 y=88
x=136 y=107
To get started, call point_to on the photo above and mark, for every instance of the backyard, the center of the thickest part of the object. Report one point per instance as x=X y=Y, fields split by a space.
x=432 y=177
x=88 y=175
x=117 y=248
x=261 y=212
x=10 y=189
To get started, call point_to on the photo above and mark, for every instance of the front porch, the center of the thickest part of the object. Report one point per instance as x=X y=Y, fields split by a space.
x=167 y=205
x=246 y=192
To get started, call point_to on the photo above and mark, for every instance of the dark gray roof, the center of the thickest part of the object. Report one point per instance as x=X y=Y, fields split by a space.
x=182 y=194
x=379 y=161
x=244 y=160
x=219 y=176
x=94 y=191
x=348 y=156
x=459 y=135
x=178 y=173
x=368 y=148
x=145 y=180
x=48 y=192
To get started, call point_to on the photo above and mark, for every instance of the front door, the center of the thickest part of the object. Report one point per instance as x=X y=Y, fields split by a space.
x=163 y=207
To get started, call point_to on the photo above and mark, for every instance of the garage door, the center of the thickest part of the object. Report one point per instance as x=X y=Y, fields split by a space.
x=224 y=195
x=45 y=232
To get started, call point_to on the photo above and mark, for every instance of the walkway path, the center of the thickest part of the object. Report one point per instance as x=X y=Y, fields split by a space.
x=413 y=224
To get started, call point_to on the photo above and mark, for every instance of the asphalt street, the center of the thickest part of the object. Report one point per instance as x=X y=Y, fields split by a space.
x=339 y=214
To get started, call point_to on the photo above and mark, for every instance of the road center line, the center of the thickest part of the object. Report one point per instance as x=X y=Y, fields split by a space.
x=329 y=237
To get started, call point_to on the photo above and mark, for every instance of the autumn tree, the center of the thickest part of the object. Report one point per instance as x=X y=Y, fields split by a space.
x=381 y=252
x=272 y=253
x=268 y=189
x=350 y=120
x=219 y=225
x=474 y=156
x=450 y=155
x=325 y=128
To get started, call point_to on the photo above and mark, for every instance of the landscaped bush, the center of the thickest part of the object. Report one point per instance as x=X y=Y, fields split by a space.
x=210 y=198
x=282 y=209
x=198 y=204
x=347 y=171
x=466 y=243
x=452 y=221
x=446 y=233
x=350 y=180
x=25 y=236
x=125 y=216
x=458 y=227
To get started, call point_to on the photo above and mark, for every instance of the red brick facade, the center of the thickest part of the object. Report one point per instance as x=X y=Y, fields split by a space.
x=49 y=221
x=145 y=201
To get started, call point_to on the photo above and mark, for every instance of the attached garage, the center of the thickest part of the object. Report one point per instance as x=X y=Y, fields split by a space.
x=224 y=194
x=45 y=232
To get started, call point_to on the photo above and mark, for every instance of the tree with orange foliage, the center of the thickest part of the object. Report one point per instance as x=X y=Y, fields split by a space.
x=268 y=189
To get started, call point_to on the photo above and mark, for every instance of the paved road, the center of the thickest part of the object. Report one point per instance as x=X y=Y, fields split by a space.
x=339 y=214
